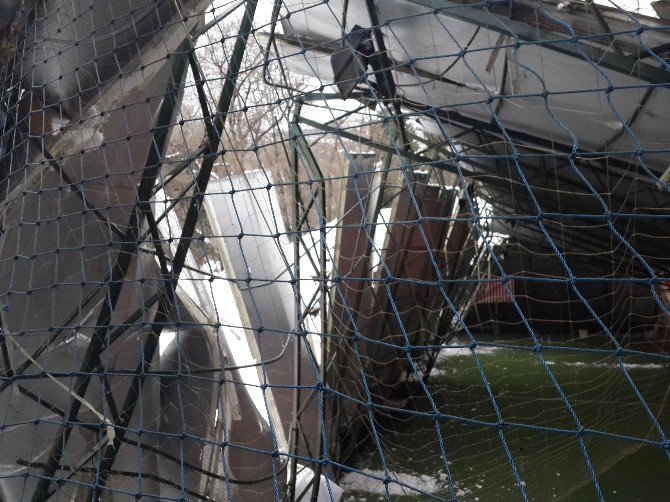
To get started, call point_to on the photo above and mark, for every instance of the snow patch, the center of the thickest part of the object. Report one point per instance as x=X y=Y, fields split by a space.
x=371 y=481
x=628 y=366
x=448 y=352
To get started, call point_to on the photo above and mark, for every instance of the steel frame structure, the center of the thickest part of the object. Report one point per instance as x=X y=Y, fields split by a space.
x=142 y=214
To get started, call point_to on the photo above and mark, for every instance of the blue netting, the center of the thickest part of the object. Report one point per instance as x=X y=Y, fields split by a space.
x=335 y=250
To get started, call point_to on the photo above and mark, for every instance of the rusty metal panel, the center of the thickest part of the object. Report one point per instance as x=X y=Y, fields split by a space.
x=415 y=257
x=354 y=242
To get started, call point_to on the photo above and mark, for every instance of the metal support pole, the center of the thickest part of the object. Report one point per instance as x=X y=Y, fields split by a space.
x=324 y=328
x=300 y=146
x=298 y=220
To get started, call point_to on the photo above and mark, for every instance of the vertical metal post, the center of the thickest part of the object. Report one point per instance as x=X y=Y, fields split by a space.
x=324 y=327
x=301 y=146
x=297 y=376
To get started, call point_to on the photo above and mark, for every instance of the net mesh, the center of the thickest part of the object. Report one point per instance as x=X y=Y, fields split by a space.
x=334 y=250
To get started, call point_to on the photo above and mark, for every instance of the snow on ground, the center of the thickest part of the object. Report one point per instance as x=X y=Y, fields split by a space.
x=628 y=366
x=370 y=481
x=461 y=351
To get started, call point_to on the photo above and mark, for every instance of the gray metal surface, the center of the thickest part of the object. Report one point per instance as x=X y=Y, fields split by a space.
x=425 y=51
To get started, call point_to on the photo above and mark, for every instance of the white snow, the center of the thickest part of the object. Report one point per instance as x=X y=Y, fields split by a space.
x=646 y=366
x=460 y=351
x=370 y=481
